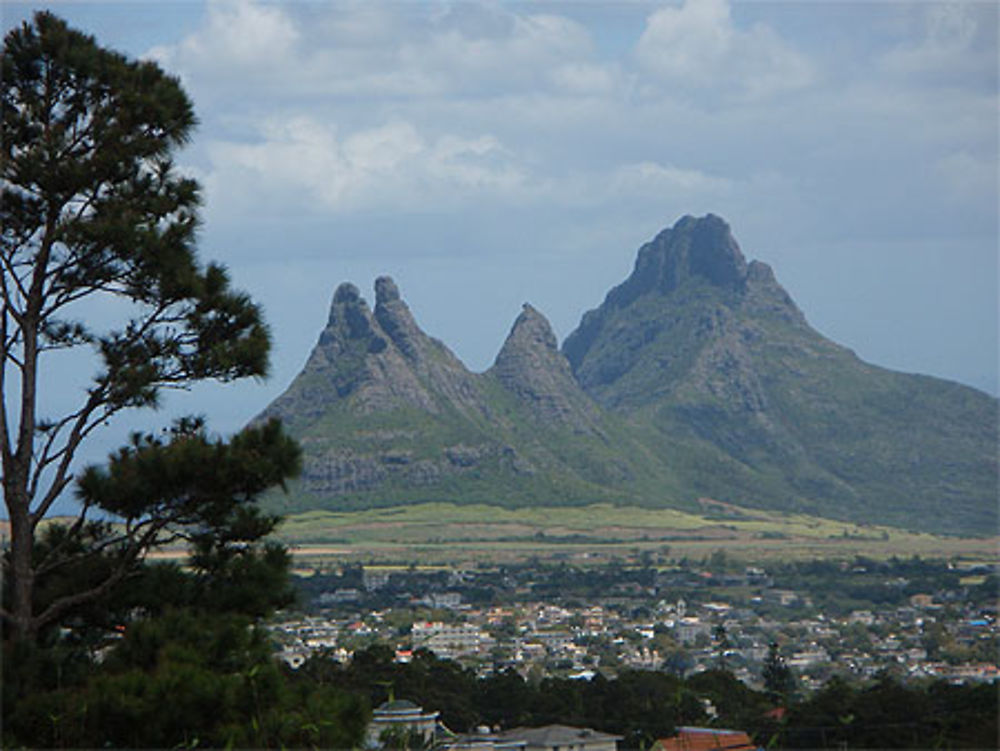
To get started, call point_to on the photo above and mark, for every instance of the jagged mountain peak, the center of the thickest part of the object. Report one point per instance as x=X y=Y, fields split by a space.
x=346 y=293
x=695 y=263
x=530 y=347
x=386 y=290
x=428 y=355
x=531 y=366
x=711 y=351
x=395 y=318
x=533 y=329
x=694 y=249
x=350 y=318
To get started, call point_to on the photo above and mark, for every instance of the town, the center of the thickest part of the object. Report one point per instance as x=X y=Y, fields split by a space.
x=856 y=619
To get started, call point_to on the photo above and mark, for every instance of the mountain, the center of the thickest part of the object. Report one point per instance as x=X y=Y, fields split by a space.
x=388 y=415
x=696 y=377
x=757 y=408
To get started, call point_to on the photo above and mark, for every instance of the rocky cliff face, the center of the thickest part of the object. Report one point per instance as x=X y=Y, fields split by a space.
x=697 y=376
x=386 y=413
x=686 y=291
x=430 y=361
x=532 y=368
x=353 y=359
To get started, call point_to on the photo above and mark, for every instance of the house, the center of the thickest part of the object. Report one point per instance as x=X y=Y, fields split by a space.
x=688 y=629
x=481 y=739
x=783 y=597
x=561 y=738
x=450 y=640
x=705 y=739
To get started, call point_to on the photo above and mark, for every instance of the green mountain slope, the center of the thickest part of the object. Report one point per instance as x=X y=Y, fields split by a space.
x=697 y=377
x=757 y=408
x=387 y=415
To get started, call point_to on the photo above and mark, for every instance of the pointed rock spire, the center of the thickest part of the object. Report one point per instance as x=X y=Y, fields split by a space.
x=397 y=321
x=351 y=333
x=530 y=365
x=354 y=358
x=350 y=320
x=531 y=331
x=429 y=358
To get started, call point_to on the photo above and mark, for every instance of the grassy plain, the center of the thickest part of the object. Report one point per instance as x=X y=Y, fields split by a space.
x=443 y=533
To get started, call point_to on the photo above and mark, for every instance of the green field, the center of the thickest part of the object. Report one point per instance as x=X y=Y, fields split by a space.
x=447 y=533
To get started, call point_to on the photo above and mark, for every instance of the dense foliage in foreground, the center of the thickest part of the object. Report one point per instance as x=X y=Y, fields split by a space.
x=645 y=705
x=186 y=678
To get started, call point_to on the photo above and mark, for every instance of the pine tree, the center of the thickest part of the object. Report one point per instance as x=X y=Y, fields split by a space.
x=93 y=208
x=723 y=645
x=779 y=683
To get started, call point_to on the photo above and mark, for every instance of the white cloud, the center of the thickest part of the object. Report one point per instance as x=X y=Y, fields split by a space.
x=587 y=79
x=301 y=162
x=668 y=180
x=237 y=35
x=493 y=51
x=946 y=44
x=387 y=106
x=391 y=166
x=374 y=49
x=697 y=45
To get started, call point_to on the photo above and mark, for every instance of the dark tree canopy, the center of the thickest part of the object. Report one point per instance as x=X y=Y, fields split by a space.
x=93 y=208
x=779 y=681
x=101 y=646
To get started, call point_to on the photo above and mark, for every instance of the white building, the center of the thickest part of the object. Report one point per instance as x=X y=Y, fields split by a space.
x=399 y=716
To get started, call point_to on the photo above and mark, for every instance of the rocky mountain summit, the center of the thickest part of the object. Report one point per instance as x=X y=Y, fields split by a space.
x=696 y=377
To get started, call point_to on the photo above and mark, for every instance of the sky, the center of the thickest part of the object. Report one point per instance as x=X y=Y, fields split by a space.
x=490 y=154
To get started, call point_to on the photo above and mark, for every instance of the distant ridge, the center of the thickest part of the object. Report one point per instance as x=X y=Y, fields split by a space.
x=696 y=377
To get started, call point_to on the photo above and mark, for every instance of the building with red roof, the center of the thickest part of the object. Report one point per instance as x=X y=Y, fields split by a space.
x=706 y=739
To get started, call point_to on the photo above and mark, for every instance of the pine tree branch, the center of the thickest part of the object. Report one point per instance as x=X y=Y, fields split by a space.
x=79 y=430
x=5 y=455
x=43 y=566
x=10 y=273
x=44 y=458
x=126 y=567
x=82 y=425
x=64 y=604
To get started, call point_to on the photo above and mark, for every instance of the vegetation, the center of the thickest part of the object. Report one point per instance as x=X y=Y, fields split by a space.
x=886 y=714
x=642 y=706
x=779 y=683
x=446 y=533
x=93 y=209
x=101 y=648
x=186 y=676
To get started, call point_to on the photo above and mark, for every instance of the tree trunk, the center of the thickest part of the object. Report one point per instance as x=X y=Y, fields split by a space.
x=22 y=621
x=18 y=463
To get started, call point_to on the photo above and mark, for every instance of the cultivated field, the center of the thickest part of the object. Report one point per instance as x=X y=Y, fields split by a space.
x=446 y=533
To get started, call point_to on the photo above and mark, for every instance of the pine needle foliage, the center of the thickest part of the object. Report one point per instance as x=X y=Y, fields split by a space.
x=94 y=212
